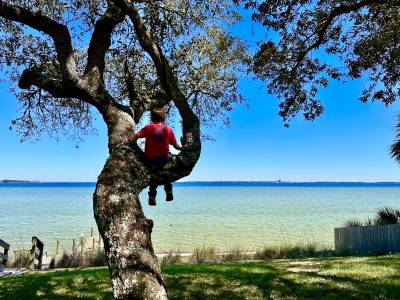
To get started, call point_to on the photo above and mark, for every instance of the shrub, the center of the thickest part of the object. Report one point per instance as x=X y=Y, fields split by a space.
x=345 y=251
x=52 y=264
x=95 y=259
x=76 y=259
x=369 y=222
x=201 y=255
x=387 y=215
x=70 y=260
x=21 y=259
x=353 y=223
x=171 y=258
x=296 y=251
x=384 y=216
x=235 y=254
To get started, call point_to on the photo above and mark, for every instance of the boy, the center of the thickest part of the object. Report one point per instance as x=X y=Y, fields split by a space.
x=156 y=150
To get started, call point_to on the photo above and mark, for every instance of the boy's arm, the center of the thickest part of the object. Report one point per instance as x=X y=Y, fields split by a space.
x=140 y=134
x=173 y=142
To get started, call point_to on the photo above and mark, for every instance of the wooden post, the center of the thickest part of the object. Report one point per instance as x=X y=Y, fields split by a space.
x=93 y=244
x=32 y=255
x=91 y=231
x=81 y=245
x=36 y=253
x=58 y=247
x=73 y=245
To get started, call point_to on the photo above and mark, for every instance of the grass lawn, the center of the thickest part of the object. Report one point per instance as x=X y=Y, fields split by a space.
x=335 y=278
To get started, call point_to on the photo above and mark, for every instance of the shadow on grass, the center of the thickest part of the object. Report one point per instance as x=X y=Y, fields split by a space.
x=77 y=284
x=349 y=278
x=282 y=280
x=220 y=281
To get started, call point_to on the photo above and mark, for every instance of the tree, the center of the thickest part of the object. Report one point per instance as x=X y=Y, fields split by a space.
x=140 y=54
x=359 y=37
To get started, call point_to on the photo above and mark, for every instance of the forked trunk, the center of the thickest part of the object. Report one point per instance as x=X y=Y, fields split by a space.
x=126 y=232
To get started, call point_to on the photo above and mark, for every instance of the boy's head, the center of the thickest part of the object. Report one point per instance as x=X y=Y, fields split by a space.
x=157 y=115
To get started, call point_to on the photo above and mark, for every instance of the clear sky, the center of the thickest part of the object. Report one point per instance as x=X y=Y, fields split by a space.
x=348 y=143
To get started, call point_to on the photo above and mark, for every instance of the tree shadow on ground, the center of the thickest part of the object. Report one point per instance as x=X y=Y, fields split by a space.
x=349 y=278
x=307 y=280
x=77 y=284
x=220 y=281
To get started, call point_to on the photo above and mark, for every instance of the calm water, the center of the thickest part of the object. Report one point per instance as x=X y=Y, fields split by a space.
x=224 y=216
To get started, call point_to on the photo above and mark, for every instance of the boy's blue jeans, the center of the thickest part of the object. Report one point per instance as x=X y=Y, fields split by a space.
x=154 y=165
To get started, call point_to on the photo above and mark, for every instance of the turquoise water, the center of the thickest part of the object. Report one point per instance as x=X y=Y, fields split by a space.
x=221 y=216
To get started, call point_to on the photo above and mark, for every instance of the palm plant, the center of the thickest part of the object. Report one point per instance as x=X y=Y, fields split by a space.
x=387 y=215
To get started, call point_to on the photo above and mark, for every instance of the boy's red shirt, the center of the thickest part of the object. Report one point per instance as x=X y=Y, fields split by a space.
x=158 y=138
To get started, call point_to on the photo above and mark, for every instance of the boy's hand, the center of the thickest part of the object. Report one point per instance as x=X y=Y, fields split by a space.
x=133 y=140
x=177 y=147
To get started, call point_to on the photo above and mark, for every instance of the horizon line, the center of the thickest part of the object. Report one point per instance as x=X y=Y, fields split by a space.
x=207 y=181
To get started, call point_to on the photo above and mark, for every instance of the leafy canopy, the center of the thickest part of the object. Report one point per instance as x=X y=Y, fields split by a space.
x=359 y=37
x=192 y=34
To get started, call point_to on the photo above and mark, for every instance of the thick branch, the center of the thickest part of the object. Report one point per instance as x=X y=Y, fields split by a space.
x=58 y=32
x=182 y=164
x=101 y=39
x=55 y=87
x=168 y=81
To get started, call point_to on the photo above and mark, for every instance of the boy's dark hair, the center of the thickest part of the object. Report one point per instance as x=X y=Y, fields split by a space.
x=157 y=115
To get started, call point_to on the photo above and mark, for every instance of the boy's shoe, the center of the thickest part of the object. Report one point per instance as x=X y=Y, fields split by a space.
x=152 y=201
x=170 y=196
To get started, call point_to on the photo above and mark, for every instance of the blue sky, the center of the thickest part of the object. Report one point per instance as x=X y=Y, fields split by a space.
x=348 y=143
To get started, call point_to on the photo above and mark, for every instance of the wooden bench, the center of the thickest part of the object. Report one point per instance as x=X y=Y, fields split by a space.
x=36 y=253
x=4 y=255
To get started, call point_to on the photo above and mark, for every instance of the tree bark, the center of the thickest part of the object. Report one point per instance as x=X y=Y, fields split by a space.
x=126 y=232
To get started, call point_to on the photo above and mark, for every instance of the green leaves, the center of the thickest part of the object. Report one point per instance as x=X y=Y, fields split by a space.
x=191 y=33
x=361 y=38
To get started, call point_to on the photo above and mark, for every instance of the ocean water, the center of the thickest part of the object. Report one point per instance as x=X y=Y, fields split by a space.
x=223 y=215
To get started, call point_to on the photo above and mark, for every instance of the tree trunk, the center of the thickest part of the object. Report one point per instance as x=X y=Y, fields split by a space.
x=126 y=232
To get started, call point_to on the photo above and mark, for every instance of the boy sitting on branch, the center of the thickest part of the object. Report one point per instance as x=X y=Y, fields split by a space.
x=158 y=137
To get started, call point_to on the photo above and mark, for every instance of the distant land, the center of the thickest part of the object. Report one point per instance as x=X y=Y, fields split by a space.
x=278 y=183
x=18 y=181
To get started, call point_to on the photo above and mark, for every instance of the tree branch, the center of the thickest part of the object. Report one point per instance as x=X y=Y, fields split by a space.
x=55 y=87
x=101 y=39
x=321 y=31
x=139 y=105
x=135 y=103
x=336 y=12
x=168 y=81
x=58 y=32
x=182 y=164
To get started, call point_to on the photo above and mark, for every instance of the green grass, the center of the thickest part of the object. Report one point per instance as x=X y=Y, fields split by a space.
x=327 y=278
